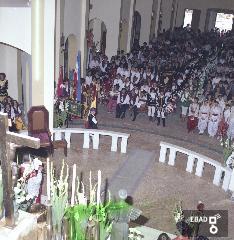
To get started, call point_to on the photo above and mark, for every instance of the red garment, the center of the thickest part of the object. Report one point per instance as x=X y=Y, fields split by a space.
x=192 y=123
x=223 y=127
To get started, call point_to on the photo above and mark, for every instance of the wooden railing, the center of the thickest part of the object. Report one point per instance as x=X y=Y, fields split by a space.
x=171 y=151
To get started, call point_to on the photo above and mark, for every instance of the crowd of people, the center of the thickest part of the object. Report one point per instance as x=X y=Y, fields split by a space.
x=10 y=106
x=193 y=70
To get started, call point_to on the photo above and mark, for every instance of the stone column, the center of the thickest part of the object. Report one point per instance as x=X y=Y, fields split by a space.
x=37 y=41
x=84 y=18
x=43 y=58
x=131 y=15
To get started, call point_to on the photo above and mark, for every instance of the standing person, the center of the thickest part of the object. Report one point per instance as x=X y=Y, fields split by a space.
x=161 y=106
x=3 y=86
x=193 y=115
x=92 y=121
x=215 y=115
x=151 y=102
x=203 y=117
x=123 y=102
x=183 y=229
x=185 y=102
x=134 y=102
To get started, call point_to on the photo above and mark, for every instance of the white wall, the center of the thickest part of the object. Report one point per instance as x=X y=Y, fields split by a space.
x=145 y=9
x=8 y=65
x=15 y=27
x=109 y=12
x=203 y=6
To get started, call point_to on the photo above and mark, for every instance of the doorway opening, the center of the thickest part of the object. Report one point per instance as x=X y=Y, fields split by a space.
x=224 y=21
x=188 y=17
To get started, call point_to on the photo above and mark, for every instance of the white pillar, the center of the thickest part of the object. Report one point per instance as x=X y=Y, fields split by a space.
x=124 y=144
x=217 y=176
x=96 y=141
x=83 y=41
x=163 y=152
x=86 y=140
x=226 y=180
x=49 y=58
x=190 y=163
x=43 y=24
x=114 y=143
x=172 y=157
x=57 y=37
x=37 y=31
x=199 y=168
x=68 y=138
x=131 y=14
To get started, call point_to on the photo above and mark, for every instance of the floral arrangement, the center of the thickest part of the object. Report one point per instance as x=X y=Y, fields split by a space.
x=59 y=196
x=135 y=234
x=91 y=219
x=178 y=213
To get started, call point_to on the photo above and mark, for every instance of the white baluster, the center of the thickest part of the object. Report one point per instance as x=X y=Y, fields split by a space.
x=86 y=140
x=199 y=168
x=124 y=144
x=95 y=138
x=226 y=180
x=172 y=157
x=68 y=138
x=163 y=153
x=57 y=136
x=114 y=143
x=190 y=163
x=231 y=184
x=217 y=176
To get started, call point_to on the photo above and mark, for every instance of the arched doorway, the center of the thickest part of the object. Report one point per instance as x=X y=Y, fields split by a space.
x=136 y=28
x=70 y=54
x=99 y=31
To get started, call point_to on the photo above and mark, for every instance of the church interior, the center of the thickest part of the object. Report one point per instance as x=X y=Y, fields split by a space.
x=116 y=119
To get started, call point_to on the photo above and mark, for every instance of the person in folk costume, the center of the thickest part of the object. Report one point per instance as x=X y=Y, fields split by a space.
x=134 y=103
x=123 y=102
x=3 y=86
x=214 y=119
x=92 y=121
x=223 y=125
x=185 y=102
x=203 y=117
x=161 y=106
x=230 y=131
x=113 y=95
x=31 y=171
x=193 y=115
x=18 y=120
x=11 y=115
x=151 y=103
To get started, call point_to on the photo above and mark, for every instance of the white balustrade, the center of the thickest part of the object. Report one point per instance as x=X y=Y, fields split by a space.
x=93 y=135
x=228 y=179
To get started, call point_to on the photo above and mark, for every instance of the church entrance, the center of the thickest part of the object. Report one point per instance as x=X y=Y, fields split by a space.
x=99 y=31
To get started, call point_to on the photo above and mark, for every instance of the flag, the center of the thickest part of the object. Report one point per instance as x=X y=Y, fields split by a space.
x=78 y=67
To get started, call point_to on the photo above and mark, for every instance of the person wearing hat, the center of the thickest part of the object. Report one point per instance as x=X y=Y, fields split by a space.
x=92 y=121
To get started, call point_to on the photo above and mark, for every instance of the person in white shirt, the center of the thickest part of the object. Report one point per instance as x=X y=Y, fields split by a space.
x=118 y=81
x=88 y=79
x=215 y=116
x=123 y=102
x=203 y=117
x=145 y=87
